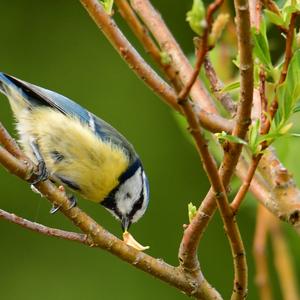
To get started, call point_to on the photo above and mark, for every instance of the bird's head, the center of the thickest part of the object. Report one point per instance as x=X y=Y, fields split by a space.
x=129 y=200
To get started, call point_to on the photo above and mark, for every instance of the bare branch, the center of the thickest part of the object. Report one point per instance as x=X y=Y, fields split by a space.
x=255 y=13
x=189 y=243
x=235 y=204
x=266 y=125
x=283 y=262
x=167 y=43
x=208 y=118
x=201 y=51
x=232 y=151
x=217 y=86
x=33 y=226
x=9 y=143
x=188 y=246
x=263 y=98
x=259 y=252
x=146 y=40
x=272 y=6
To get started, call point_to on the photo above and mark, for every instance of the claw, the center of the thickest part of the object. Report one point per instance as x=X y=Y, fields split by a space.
x=73 y=203
x=41 y=174
x=54 y=209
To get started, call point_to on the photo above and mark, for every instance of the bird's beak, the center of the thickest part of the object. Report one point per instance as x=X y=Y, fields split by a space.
x=125 y=223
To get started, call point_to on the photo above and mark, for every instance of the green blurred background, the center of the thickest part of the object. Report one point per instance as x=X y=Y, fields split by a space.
x=56 y=45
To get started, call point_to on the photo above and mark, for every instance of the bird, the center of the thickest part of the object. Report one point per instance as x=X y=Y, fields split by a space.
x=76 y=149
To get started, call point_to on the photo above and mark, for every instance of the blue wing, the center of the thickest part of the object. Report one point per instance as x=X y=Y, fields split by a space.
x=37 y=96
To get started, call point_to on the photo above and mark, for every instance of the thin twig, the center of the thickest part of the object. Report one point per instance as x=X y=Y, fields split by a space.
x=263 y=98
x=262 y=278
x=272 y=6
x=235 y=204
x=9 y=143
x=209 y=119
x=146 y=40
x=154 y=22
x=216 y=85
x=201 y=51
x=128 y=52
x=33 y=226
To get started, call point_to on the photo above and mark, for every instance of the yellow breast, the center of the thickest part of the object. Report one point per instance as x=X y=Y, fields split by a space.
x=94 y=165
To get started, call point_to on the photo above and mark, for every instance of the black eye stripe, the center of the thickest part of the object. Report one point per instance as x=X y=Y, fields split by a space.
x=137 y=205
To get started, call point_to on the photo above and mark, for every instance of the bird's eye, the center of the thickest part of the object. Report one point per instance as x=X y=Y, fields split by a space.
x=128 y=195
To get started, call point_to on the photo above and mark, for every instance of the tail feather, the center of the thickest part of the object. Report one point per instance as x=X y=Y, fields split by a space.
x=4 y=82
x=14 y=94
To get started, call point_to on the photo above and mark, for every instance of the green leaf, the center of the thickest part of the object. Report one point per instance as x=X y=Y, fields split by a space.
x=261 y=46
x=274 y=18
x=253 y=142
x=196 y=17
x=107 y=5
x=192 y=209
x=231 y=86
x=289 y=92
x=287 y=12
x=223 y=136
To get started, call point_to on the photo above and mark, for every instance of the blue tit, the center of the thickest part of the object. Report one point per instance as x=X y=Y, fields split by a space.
x=73 y=147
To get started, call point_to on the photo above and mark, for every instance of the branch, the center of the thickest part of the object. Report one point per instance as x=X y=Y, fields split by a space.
x=203 y=49
x=187 y=253
x=284 y=198
x=204 y=106
x=266 y=125
x=33 y=226
x=97 y=236
x=168 y=44
x=283 y=262
x=259 y=253
x=9 y=143
x=146 y=40
x=239 y=197
x=255 y=13
x=217 y=85
x=208 y=118
x=188 y=246
x=272 y=6
x=232 y=151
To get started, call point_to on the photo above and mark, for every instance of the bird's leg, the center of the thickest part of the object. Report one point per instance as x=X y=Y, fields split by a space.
x=72 y=199
x=42 y=173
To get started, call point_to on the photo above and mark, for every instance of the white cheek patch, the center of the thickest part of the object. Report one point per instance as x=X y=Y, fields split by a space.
x=142 y=210
x=128 y=192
